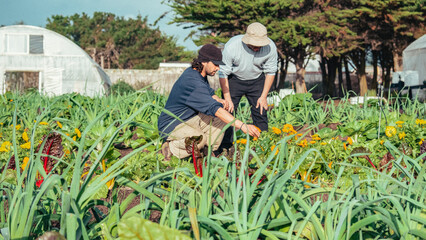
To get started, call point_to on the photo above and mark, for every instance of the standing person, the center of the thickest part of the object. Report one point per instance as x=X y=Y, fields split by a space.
x=194 y=116
x=250 y=67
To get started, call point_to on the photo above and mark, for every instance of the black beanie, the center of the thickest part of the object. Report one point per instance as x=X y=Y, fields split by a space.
x=210 y=52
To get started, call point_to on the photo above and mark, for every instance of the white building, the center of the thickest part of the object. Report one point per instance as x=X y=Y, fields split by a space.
x=34 y=57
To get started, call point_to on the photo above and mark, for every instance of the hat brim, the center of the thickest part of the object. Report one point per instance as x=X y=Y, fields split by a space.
x=217 y=62
x=255 y=41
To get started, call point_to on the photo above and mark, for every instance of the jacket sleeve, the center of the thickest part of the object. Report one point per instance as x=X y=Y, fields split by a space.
x=201 y=100
x=270 y=67
x=227 y=58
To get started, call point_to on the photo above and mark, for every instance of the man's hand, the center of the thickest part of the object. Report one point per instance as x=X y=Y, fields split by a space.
x=226 y=104
x=263 y=104
x=230 y=105
x=251 y=129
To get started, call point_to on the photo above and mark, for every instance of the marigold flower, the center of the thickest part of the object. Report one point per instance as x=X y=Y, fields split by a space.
x=323 y=143
x=329 y=165
x=350 y=141
x=74 y=138
x=382 y=141
x=78 y=132
x=272 y=149
x=254 y=138
x=17 y=127
x=344 y=146
x=303 y=143
x=243 y=141
x=315 y=137
x=24 y=162
x=276 y=130
x=421 y=141
x=312 y=142
x=288 y=128
x=25 y=136
x=420 y=121
x=402 y=135
x=399 y=122
x=5 y=146
x=390 y=131
x=26 y=145
x=59 y=124
x=44 y=123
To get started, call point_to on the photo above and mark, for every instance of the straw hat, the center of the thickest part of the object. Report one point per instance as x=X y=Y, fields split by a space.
x=256 y=35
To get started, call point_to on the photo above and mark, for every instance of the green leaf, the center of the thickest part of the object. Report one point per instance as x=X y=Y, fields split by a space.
x=138 y=228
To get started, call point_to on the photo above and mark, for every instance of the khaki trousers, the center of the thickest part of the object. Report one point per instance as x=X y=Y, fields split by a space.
x=209 y=127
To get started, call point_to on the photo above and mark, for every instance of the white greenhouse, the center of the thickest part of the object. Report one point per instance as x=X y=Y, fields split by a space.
x=36 y=58
x=414 y=58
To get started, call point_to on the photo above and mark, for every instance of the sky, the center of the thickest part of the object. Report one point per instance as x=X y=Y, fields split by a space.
x=36 y=12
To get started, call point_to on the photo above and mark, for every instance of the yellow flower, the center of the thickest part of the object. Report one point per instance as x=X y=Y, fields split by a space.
x=344 y=146
x=420 y=121
x=26 y=145
x=312 y=142
x=243 y=141
x=390 y=131
x=78 y=132
x=67 y=134
x=258 y=129
x=17 y=127
x=402 y=135
x=5 y=146
x=399 y=122
x=59 y=124
x=288 y=128
x=421 y=141
x=276 y=130
x=382 y=141
x=315 y=137
x=25 y=162
x=272 y=149
x=75 y=138
x=67 y=152
x=43 y=123
x=323 y=143
x=254 y=138
x=329 y=165
x=25 y=136
x=350 y=141
x=303 y=143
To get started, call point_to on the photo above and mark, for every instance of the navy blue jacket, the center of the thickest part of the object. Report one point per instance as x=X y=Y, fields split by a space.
x=191 y=94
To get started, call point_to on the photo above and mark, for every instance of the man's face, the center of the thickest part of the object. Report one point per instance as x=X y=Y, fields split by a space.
x=254 y=48
x=211 y=68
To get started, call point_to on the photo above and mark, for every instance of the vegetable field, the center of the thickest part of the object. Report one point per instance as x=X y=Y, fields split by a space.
x=91 y=168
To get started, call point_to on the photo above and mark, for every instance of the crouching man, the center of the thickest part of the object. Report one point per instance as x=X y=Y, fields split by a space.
x=200 y=114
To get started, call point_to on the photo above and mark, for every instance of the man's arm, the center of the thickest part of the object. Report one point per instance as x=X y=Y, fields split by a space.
x=224 y=103
x=226 y=117
x=262 y=101
x=224 y=85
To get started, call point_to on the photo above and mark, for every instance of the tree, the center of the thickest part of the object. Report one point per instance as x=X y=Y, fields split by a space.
x=383 y=25
x=116 y=42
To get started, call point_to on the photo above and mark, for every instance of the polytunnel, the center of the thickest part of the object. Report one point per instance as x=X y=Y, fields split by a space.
x=37 y=58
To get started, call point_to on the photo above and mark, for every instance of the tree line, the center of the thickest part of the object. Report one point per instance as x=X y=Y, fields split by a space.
x=341 y=32
x=118 y=42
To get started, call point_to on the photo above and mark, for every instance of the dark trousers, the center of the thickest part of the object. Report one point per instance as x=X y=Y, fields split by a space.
x=252 y=89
